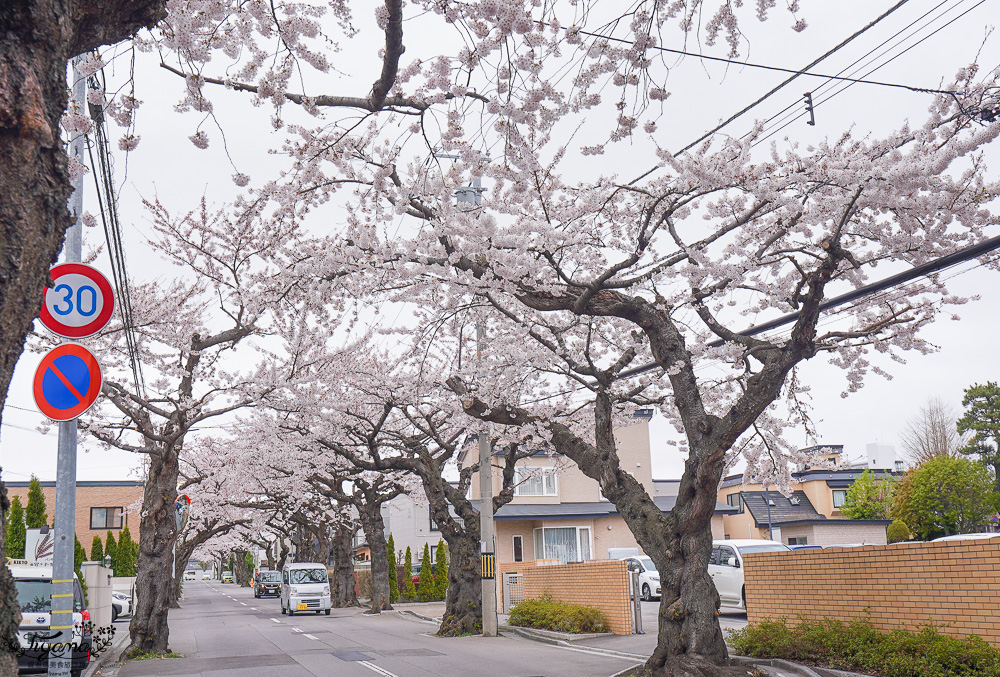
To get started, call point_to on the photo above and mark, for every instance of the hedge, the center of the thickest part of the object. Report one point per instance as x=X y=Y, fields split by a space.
x=547 y=614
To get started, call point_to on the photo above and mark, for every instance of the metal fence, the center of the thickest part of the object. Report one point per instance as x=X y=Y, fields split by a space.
x=513 y=591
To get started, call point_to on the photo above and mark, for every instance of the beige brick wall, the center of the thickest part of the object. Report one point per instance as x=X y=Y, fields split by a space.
x=88 y=497
x=954 y=585
x=603 y=585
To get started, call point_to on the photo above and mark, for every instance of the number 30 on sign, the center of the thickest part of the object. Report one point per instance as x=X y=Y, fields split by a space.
x=80 y=303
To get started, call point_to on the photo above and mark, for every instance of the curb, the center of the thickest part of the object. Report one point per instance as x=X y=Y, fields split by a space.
x=787 y=667
x=109 y=656
x=421 y=617
x=528 y=634
x=552 y=634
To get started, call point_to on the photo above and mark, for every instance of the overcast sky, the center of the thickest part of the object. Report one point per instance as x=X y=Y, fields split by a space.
x=168 y=166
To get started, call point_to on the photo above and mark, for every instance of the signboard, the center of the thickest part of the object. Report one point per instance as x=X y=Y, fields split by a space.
x=489 y=565
x=67 y=382
x=81 y=302
x=38 y=546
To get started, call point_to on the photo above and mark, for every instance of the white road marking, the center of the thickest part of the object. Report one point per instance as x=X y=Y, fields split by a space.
x=308 y=635
x=243 y=603
x=253 y=608
x=598 y=652
x=296 y=629
x=376 y=669
x=275 y=620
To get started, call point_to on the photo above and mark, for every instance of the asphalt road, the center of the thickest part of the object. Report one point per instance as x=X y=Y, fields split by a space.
x=223 y=631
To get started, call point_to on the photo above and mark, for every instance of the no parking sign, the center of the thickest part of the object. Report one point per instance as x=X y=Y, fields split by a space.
x=67 y=382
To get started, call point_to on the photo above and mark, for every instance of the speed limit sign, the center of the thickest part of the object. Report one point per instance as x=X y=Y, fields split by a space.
x=80 y=303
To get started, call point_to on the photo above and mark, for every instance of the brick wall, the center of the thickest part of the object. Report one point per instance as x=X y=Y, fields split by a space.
x=953 y=584
x=601 y=584
x=111 y=496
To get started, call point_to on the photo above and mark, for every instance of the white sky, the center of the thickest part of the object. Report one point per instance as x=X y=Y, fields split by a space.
x=167 y=165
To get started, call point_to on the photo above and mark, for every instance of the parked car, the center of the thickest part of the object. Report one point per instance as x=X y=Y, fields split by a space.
x=805 y=547
x=649 y=578
x=966 y=537
x=190 y=575
x=726 y=567
x=33 y=584
x=121 y=605
x=305 y=586
x=206 y=576
x=267 y=583
x=227 y=577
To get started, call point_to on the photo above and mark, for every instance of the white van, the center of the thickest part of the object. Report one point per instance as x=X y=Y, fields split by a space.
x=33 y=583
x=305 y=586
x=726 y=567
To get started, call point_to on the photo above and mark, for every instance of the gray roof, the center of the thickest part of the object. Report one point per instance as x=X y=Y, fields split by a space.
x=592 y=510
x=85 y=483
x=834 y=478
x=783 y=510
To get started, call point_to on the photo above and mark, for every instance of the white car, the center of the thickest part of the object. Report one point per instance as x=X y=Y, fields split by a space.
x=966 y=537
x=190 y=575
x=305 y=586
x=726 y=567
x=206 y=576
x=121 y=605
x=649 y=578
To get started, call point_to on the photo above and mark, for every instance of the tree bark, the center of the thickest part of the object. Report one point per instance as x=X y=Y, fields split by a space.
x=342 y=581
x=10 y=620
x=148 y=630
x=374 y=528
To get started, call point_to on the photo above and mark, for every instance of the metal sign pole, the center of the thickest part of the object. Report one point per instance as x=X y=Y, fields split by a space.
x=65 y=514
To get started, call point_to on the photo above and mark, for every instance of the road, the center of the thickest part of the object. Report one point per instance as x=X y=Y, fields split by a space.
x=222 y=631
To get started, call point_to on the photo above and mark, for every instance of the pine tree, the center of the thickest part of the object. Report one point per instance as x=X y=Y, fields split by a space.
x=111 y=548
x=441 y=570
x=35 y=515
x=409 y=592
x=393 y=573
x=128 y=552
x=14 y=529
x=97 y=550
x=425 y=586
x=79 y=557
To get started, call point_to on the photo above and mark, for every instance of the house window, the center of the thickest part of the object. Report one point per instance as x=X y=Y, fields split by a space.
x=839 y=497
x=567 y=544
x=799 y=540
x=518 y=549
x=735 y=500
x=430 y=515
x=106 y=518
x=535 y=482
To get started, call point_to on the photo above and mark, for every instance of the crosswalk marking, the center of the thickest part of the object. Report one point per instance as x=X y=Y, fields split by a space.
x=308 y=635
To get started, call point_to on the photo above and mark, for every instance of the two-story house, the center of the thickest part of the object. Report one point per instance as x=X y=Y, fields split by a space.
x=558 y=513
x=810 y=516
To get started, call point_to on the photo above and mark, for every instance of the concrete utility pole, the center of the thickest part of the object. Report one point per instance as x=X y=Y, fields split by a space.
x=65 y=515
x=486 y=522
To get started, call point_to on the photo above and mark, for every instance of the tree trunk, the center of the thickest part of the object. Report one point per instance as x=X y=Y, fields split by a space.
x=148 y=629
x=374 y=528
x=463 y=604
x=342 y=581
x=283 y=556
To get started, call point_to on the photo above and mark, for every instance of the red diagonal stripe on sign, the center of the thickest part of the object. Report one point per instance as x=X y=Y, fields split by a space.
x=65 y=381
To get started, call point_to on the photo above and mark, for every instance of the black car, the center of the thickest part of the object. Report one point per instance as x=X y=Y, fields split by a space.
x=267 y=583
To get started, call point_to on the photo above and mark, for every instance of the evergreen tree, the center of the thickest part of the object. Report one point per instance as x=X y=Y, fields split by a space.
x=79 y=557
x=35 y=513
x=111 y=548
x=441 y=570
x=393 y=573
x=128 y=553
x=425 y=586
x=409 y=591
x=14 y=529
x=97 y=550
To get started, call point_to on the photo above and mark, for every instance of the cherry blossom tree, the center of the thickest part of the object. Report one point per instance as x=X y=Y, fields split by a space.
x=188 y=332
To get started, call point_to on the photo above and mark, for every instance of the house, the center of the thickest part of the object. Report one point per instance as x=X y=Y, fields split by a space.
x=558 y=513
x=408 y=519
x=811 y=515
x=100 y=506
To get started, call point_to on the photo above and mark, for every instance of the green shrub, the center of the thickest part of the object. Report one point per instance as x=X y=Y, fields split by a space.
x=547 y=614
x=441 y=570
x=409 y=591
x=857 y=645
x=425 y=584
x=393 y=575
x=897 y=531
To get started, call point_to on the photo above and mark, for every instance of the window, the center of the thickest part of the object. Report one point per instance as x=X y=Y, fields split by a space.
x=839 y=497
x=430 y=515
x=727 y=557
x=735 y=500
x=800 y=540
x=567 y=544
x=106 y=518
x=535 y=482
x=518 y=549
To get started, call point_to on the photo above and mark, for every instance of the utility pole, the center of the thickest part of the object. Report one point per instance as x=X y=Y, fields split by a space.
x=64 y=523
x=487 y=546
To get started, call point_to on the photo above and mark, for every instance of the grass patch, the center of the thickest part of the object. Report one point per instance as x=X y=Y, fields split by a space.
x=140 y=655
x=857 y=645
x=546 y=614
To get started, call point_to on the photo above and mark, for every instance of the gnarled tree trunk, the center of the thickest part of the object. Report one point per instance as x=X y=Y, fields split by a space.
x=148 y=630
x=374 y=527
x=342 y=592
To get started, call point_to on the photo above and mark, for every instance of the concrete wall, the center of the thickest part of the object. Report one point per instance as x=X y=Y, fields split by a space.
x=603 y=585
x=835 y=533
x=88 y=497
x=99 y=587
x=952 y=584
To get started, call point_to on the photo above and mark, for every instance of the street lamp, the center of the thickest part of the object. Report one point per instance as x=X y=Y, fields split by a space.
x=107 y=561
